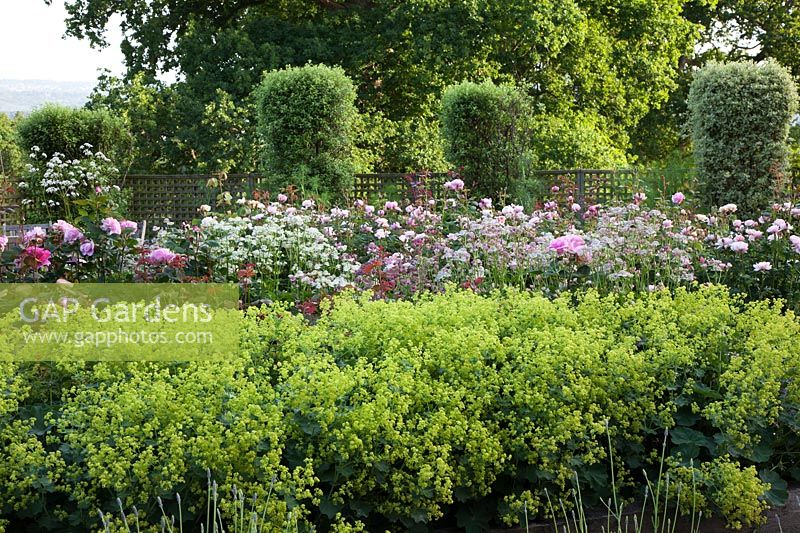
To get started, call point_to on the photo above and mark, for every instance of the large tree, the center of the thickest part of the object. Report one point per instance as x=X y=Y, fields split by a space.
x=616 y=59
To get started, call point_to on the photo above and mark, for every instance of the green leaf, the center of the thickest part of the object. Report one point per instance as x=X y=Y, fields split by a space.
x=328 y=508
x=778 y=493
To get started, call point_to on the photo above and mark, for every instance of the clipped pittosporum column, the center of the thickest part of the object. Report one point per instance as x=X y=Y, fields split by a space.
x=305 y=119
x=486 y=129
x=740 y=115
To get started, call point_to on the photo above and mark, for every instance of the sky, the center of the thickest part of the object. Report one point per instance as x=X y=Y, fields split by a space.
x=32 y=46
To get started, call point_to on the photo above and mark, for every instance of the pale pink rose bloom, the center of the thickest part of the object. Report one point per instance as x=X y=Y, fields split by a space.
x=678 y=198
x=161 y=256
x=111 y=226
x=72 y=235
x=739 y=247
x=129 y=224
x=763 y=266
x=87 y=249
x=454 y=185
x=568 y=244
x=36 y=233
x=794 y=239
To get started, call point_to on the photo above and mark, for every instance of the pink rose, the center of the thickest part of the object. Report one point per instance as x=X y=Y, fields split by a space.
x=740 y=247
x=41 y=256
x=454 y=185
x=3 y=242
x=678 y=198
x=794 y=239
x=111 y=226
x=161 y=256
x=36 y=234
x=129 y=225
x=87 y=248
x=72 y=235
x=763 y=266
x=568 y=244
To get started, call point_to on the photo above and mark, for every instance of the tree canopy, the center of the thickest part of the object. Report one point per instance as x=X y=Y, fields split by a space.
x=617 y=60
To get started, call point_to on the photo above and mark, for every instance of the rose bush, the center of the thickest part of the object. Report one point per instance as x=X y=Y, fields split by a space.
x=304 y=253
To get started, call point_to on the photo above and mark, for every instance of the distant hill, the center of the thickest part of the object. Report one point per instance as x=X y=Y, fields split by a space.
x=24 y=95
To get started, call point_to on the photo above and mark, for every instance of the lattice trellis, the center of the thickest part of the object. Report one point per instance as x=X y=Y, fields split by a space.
x=9 y=202
x=177 y=197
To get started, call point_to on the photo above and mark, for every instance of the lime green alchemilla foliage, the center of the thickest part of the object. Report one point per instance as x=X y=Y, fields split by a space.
x=306 y=117
x=457 y=407
x=486 y=128
x=740 y=114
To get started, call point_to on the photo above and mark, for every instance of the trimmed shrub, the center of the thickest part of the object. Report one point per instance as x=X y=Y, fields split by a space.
x=740 y=114
x=10 y=155
x=60 y=129
x=306 y=117
x=455 y=406
x=486 y=130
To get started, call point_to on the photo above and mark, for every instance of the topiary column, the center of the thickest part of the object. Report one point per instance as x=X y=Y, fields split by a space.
x=305 y=119
x=740 y=115
x=486 y=129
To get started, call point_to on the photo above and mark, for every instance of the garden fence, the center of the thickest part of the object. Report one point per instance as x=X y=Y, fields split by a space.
x=177 y=196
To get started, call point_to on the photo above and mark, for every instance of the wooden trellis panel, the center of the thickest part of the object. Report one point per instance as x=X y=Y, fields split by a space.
x=593 y=186
x=9 y=202
x=398 y=186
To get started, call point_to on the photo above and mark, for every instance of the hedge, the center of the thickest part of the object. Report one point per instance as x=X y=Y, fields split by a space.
x=56 y=128
x=455 y=409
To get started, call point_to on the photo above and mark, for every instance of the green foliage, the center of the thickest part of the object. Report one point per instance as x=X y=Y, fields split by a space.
x=740 y=115
x=395 y=414
x=305 y=119
x=418 y=145
x=59 y=129
x=605 y=57
x=574 y=141
x=486 y=129
x=10 y=155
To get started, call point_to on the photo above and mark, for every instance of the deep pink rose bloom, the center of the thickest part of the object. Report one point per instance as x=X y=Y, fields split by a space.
x=40 y=255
